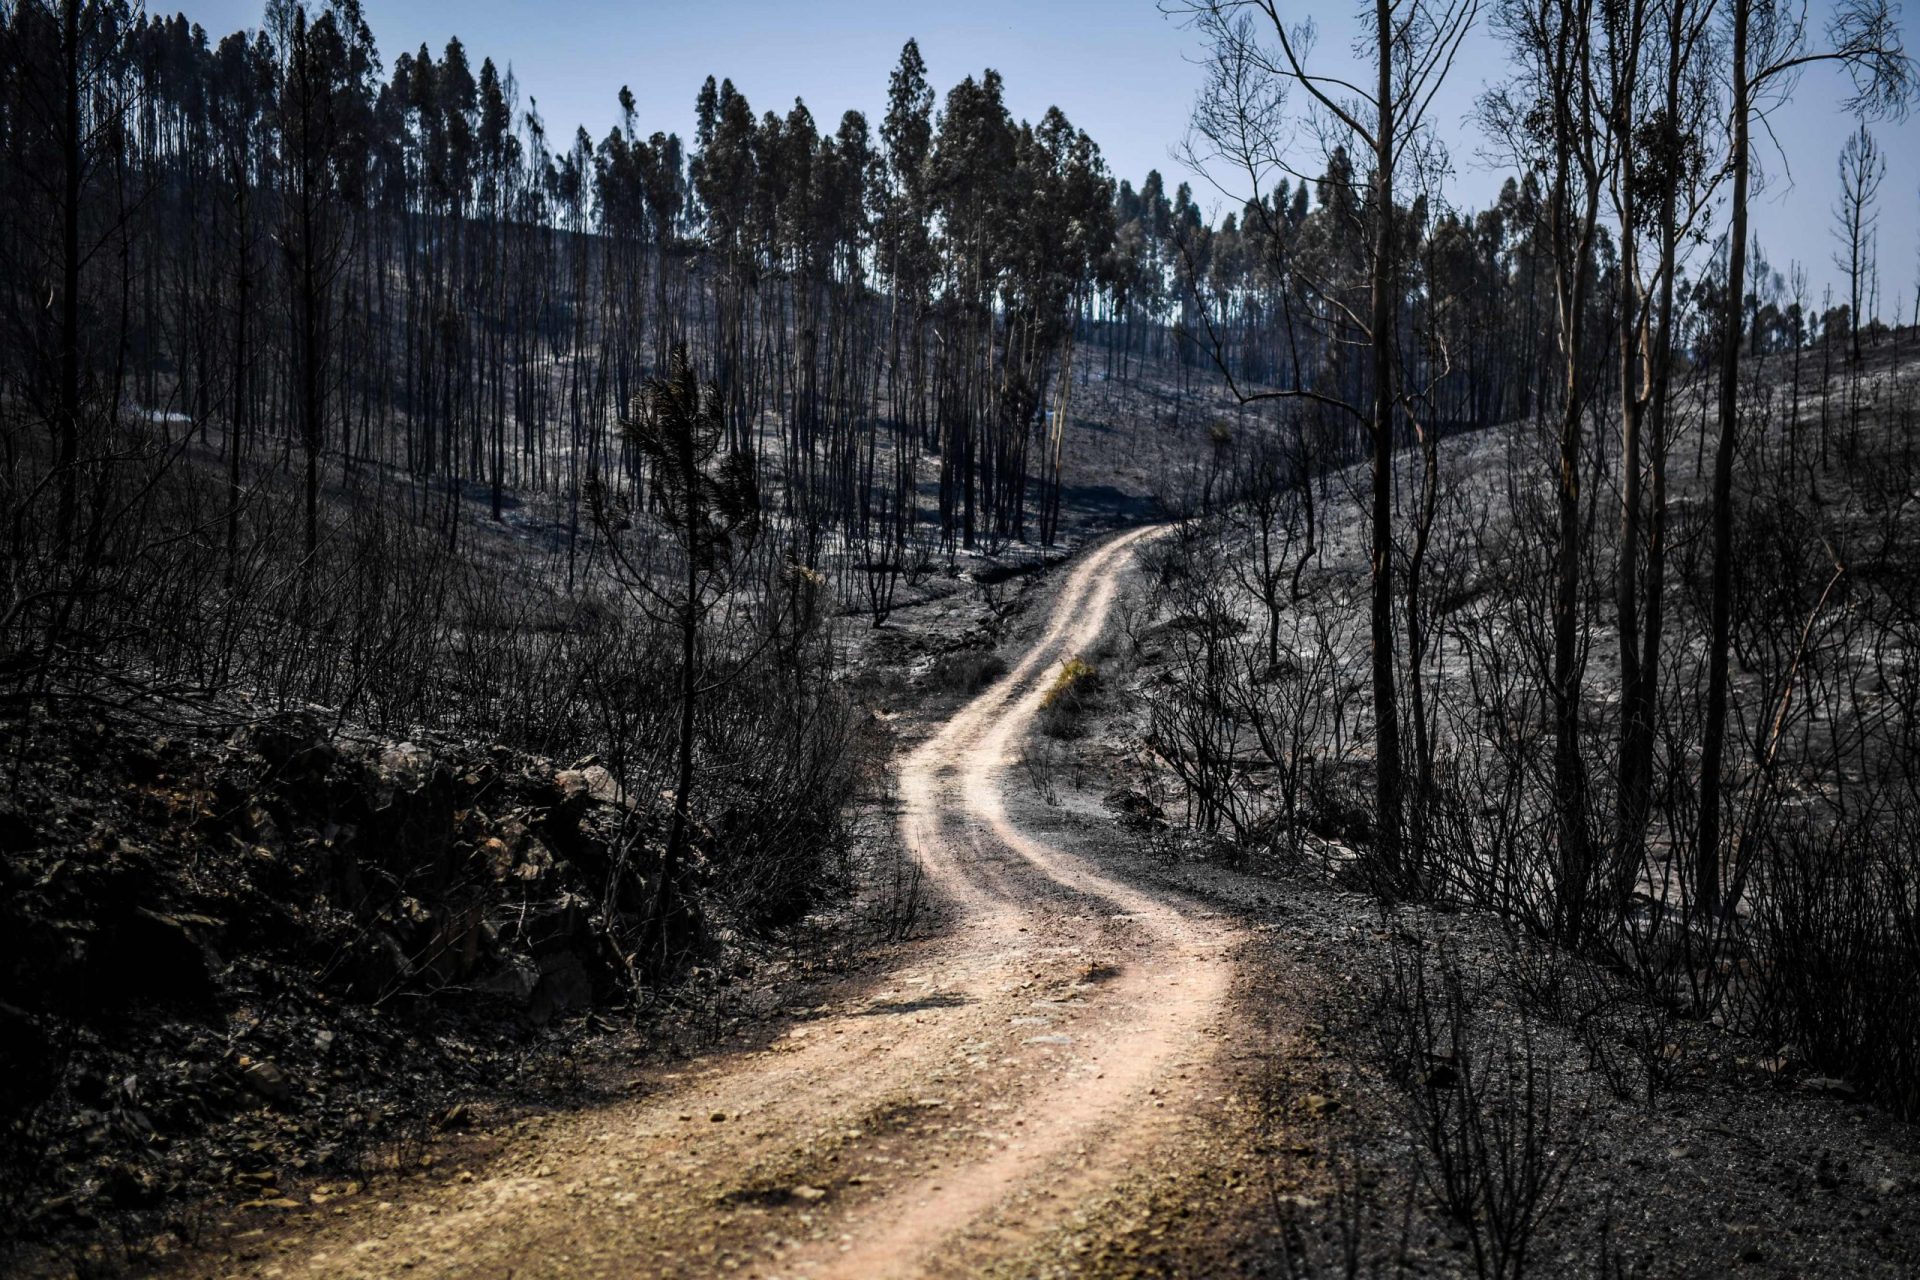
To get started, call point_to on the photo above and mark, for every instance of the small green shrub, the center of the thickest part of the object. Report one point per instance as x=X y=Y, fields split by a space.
x=1073 y=693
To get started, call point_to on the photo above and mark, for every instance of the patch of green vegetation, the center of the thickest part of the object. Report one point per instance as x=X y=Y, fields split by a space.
x=1073 y=693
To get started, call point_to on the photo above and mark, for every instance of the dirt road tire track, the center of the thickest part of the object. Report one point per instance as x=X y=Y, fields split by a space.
x=1013 y=1066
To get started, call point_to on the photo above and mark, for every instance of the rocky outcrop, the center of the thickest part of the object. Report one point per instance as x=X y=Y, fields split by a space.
x=223 y=951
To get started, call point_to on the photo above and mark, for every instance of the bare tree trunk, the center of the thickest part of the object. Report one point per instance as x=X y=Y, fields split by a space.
x=1720 y=627
x=1640 y=675
x=237 y=425
x=1634 y=356
x=664 y=903
x=1387 y=789
x=67 y=413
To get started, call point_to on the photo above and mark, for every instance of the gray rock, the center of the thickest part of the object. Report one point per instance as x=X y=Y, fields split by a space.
x=594 y=782
x=267 y=1080
x=514 y=981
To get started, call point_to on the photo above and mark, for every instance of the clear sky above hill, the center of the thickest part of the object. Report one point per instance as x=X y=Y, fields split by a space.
x=1118 y=68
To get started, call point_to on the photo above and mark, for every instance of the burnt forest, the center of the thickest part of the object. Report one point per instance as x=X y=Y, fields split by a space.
x=1311 y=672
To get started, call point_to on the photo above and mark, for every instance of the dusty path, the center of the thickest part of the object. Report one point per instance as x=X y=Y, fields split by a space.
x=932 y=1125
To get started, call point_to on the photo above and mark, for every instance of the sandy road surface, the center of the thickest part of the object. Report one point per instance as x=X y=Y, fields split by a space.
x=934 y=1124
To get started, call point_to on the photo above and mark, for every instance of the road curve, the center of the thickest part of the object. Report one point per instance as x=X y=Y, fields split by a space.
x=944 y=1119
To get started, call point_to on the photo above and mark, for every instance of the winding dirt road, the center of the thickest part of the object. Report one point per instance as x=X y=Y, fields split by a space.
x=938 y=1123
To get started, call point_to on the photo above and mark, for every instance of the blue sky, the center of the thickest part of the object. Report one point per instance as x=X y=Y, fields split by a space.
x=1118 y=69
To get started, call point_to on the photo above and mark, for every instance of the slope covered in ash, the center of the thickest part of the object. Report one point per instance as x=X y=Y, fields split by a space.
x=225 y=954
